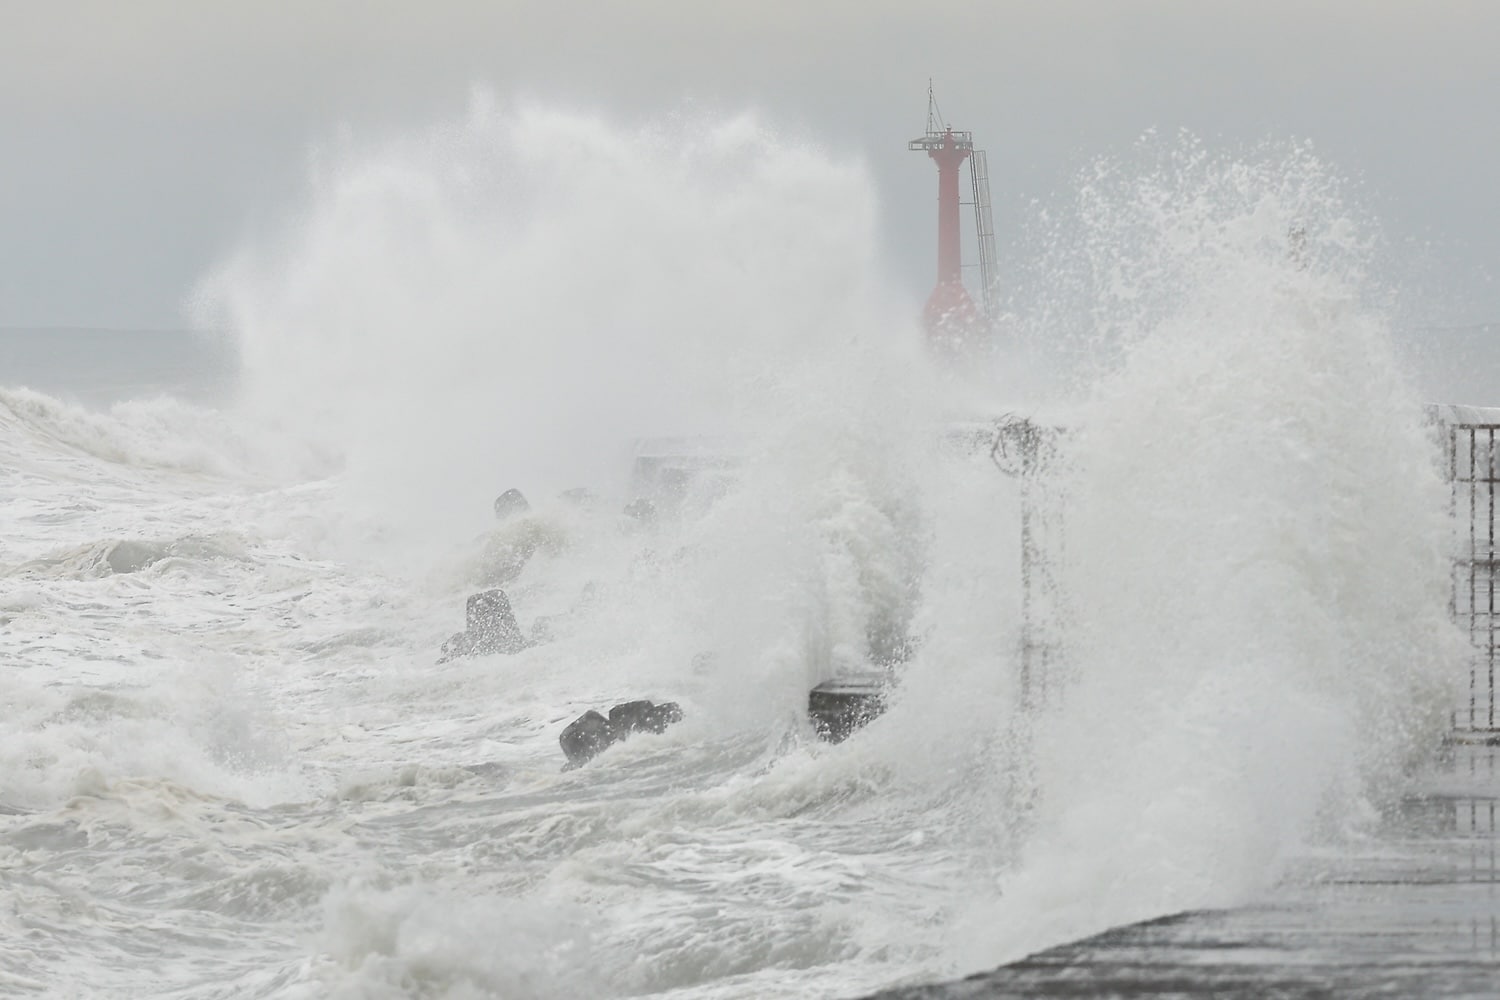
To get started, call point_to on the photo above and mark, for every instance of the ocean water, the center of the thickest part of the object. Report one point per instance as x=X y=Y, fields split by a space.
x=233 y=765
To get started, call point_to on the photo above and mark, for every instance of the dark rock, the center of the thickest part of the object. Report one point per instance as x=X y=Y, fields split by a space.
x=511 y=502
x=586 y=736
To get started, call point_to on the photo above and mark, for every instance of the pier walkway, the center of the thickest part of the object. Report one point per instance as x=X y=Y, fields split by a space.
x=1415 y=913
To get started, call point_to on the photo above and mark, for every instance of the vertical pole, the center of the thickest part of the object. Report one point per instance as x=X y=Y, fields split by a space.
x=1028 y=581
x=1473 y=567
x=1017 y=452
x=1490 y=577
x=1452 y=449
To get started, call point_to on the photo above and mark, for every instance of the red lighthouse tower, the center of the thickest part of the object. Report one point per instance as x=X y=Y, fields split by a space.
x=950 y=315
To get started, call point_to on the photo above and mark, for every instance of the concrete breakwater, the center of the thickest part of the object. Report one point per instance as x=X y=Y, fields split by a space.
x=1412 y=912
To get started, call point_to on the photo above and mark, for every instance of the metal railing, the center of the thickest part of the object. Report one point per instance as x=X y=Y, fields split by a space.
x=1471 y=436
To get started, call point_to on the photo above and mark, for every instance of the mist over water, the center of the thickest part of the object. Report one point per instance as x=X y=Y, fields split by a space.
x=1246 y=535
x=510 y=298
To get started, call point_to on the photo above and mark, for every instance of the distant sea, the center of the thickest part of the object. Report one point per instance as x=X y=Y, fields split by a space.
x=1456 y=364
x=98 y=367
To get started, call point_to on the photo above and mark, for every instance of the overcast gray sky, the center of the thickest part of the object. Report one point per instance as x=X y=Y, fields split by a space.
x=140 y=138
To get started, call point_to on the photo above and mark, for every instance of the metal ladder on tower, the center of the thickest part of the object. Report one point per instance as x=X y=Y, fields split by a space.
x=984 y=228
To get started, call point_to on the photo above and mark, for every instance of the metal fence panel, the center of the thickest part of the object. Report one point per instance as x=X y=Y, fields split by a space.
x=1474 y=473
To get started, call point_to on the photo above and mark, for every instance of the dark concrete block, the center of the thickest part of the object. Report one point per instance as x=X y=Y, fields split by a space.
x=491 y=627
x=840 y=706
x=641 y=510
x=586 y=736
x=644 y=717
x=591 y=733
x=493 y=624
x=511 y=502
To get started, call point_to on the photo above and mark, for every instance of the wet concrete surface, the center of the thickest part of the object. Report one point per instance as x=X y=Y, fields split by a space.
x=1413 y=913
